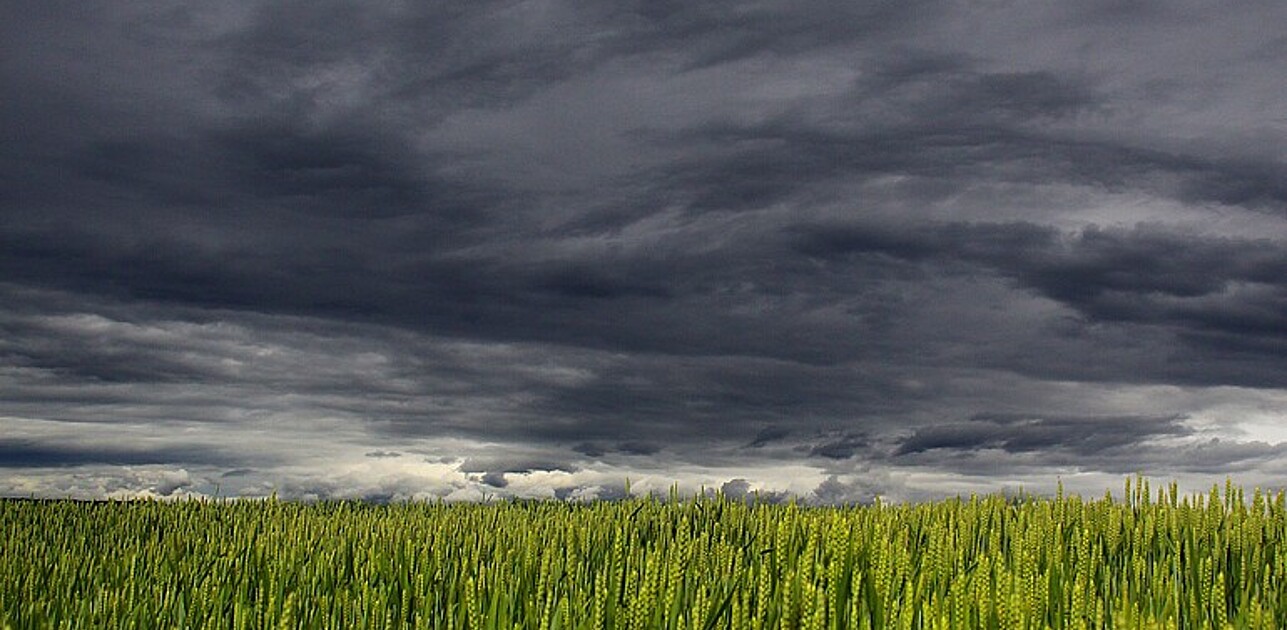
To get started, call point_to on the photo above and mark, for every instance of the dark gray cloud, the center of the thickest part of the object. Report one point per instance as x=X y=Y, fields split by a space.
x=1215 y=296
x=843 y=447
x=1022 y=433
x=495 y=479
x=638 y=448
x=768 y=435
x=27 y=453
x=540 y=247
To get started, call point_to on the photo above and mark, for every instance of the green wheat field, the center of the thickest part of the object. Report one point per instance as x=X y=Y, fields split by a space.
x=1146 y=561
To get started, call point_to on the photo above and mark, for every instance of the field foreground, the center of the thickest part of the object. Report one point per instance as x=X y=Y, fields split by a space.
x=1217 y=560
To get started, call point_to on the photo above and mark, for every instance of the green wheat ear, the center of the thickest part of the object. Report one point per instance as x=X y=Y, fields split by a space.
x=1207 y=560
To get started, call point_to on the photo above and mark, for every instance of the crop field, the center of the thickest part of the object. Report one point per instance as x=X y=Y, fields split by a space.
x=1147 y=560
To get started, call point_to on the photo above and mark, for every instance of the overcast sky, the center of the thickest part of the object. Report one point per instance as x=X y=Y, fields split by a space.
x=477 y=249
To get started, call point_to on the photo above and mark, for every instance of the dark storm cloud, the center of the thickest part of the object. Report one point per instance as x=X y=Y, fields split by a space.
x=438 y=57
x=548 y=238
x=589 y=449
x=841 y=448
x=638 y=448
x=956 y=123
x=768 y=435
x=341 y=178
x=955 y=140
x=1219 y=299
x=1216 y=456
x=687 y=401
x=1021 y=433
x=1144 y=274
x=514 y=463
x=580 y=282
x=593 y=450
x=495 y=479
x=984 y=451
x=34 y=454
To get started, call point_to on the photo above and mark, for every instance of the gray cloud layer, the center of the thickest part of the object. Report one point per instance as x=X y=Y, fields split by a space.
x=538 y=247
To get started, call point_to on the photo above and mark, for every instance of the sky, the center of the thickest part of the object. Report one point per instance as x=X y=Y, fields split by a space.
x=540 y=249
